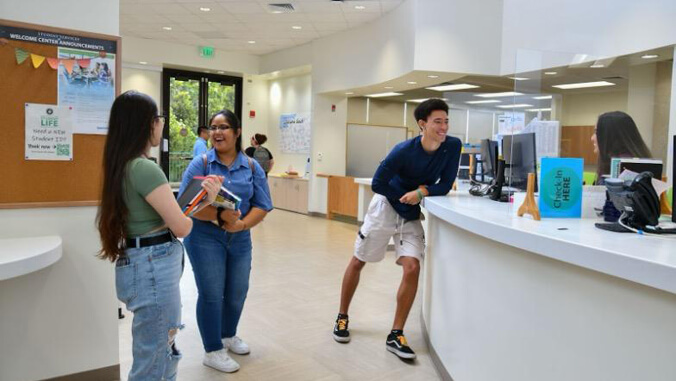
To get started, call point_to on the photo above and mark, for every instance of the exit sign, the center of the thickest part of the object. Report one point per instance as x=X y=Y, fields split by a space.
x=207 y=51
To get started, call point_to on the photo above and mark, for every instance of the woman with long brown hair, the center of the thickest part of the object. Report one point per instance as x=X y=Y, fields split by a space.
x=616 y=135
x=138 y=221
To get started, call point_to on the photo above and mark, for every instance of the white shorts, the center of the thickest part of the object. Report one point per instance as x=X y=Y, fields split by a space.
x=381 y=223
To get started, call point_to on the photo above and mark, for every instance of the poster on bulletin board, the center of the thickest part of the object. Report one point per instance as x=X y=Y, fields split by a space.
x=561 y=187
x=295 y=132
x=49 y=132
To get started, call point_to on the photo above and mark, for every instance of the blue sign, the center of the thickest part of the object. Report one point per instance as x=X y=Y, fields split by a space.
x=561 y=187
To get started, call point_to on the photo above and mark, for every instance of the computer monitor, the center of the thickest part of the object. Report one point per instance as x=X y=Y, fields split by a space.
x=520 y=156
x=653 y=166
x=463 y=169
x=489 y=157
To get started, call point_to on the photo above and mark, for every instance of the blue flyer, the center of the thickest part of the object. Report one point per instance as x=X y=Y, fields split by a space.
x=561 y=187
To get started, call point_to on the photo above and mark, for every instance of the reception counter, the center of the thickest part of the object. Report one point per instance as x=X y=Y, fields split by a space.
x=509 y=298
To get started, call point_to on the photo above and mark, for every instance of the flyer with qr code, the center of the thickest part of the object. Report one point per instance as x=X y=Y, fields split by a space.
x=49 y=132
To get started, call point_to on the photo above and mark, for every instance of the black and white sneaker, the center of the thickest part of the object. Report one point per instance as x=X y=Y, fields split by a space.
x=396 y=343
x=340 y=332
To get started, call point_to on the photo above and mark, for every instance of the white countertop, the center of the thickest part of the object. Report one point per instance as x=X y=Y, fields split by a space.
x=647 y=260
x=20 y=256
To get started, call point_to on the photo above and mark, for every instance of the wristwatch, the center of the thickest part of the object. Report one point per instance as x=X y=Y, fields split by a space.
x=218 y=216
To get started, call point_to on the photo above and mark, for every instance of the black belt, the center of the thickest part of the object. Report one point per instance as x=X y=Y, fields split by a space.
x=149 y=241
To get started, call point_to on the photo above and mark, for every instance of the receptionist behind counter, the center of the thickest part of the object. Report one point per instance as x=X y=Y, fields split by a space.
x=616 y=135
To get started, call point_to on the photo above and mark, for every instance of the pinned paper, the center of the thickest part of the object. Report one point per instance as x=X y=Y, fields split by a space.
x=37 y=60
x=21 y=55
x=68 y=64
x=3 y=41
x=53 y=63
x=84 y=63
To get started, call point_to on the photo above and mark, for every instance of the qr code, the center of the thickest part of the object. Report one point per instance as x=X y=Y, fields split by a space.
x=63 y=150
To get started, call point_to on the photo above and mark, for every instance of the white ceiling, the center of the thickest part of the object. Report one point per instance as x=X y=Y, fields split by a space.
x=231 y=24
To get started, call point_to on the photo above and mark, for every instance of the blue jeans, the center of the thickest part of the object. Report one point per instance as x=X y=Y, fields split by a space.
x=221 y=263
x=147 y=282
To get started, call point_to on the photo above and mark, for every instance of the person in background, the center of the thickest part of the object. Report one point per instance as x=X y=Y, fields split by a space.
x=423 y=166
x=616 y=135
x=220 y=253
x=138 y=222
x=200 y=147
x=261 y=154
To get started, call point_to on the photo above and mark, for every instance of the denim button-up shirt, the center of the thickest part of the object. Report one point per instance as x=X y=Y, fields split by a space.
x=249 y=185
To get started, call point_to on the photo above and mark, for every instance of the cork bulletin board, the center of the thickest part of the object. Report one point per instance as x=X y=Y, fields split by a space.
x=41 y=183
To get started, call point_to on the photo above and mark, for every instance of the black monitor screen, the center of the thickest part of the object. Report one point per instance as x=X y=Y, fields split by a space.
x=489 y=156
x=464 y=160
x=520 y=158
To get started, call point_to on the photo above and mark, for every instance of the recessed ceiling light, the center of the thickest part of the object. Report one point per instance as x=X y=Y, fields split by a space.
x=277 y=12
x=220 y=72
x=459 y=86
x=380 y=95
x=349 y=93
x=432 y=76
x=483 y=102
x=207 y=71
x=359 y=7
x=412 y=82
x=251 y=41
x=543 y=97
x=205 y=9
x=582 y=85
x=498 y=95
x=297 y=27
x=143 y=62
x=388 y=87
x=597 y=66
x=538 y=109
x=649 y=56
x=520 y=105
x=166 y=27
x=550 y=73
x=519 y=78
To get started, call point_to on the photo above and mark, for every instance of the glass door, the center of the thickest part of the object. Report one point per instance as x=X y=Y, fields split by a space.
x=189 y=100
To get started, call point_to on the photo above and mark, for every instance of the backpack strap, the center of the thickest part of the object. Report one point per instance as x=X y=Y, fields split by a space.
x=251 y=166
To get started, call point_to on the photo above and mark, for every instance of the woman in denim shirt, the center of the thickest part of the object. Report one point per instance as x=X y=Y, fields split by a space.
x=220 y=252
x=138 y=221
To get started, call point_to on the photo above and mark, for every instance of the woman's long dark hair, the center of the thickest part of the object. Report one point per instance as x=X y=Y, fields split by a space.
x=233 y=121
x=129 y=131
x=618 y=136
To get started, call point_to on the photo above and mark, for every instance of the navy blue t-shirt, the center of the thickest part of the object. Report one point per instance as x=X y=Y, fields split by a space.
x=408 y=166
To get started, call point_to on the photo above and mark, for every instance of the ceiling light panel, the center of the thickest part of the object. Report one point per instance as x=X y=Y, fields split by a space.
x=583 y=85
x=381 y=95
x=499 y=95
x=453 y=87
x=520 y=105
x=483 y=102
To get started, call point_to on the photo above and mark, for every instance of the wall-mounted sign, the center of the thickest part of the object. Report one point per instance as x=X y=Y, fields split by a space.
x=207 y=51
x=49 y=132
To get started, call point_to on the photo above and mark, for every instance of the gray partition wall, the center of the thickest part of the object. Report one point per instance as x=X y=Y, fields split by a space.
x=368 y=145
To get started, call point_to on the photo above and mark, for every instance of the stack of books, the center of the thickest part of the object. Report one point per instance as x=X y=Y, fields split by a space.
x=194 y=195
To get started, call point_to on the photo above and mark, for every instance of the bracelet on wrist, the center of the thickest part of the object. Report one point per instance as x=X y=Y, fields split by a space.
x=420 y=194
x=218 y=216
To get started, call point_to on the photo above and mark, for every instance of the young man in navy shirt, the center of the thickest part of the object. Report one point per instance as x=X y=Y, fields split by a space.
x=423 y=166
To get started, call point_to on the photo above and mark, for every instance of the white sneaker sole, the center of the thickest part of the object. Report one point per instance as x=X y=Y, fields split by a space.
x=341 y=339
x=400 y=354
x=221 y=369
x=239 y=352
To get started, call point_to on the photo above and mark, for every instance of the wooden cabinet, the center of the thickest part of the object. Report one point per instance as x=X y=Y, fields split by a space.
x=289 y=194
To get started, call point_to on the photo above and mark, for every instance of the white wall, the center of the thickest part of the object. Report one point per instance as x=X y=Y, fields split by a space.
x=287 y=95
x=255 y=97
x=62 y=319
x=461 y=36
x=98 y=16
x=601 y=28
x=147 y=80
x=584 y=109
x=162 y=53
x=641 y=99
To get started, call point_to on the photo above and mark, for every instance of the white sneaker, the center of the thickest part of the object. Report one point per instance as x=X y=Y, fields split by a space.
x=220 y=360
x=236 y=345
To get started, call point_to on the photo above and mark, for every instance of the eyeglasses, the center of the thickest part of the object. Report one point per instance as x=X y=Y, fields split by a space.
x=161 y=118
x=221 y=127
